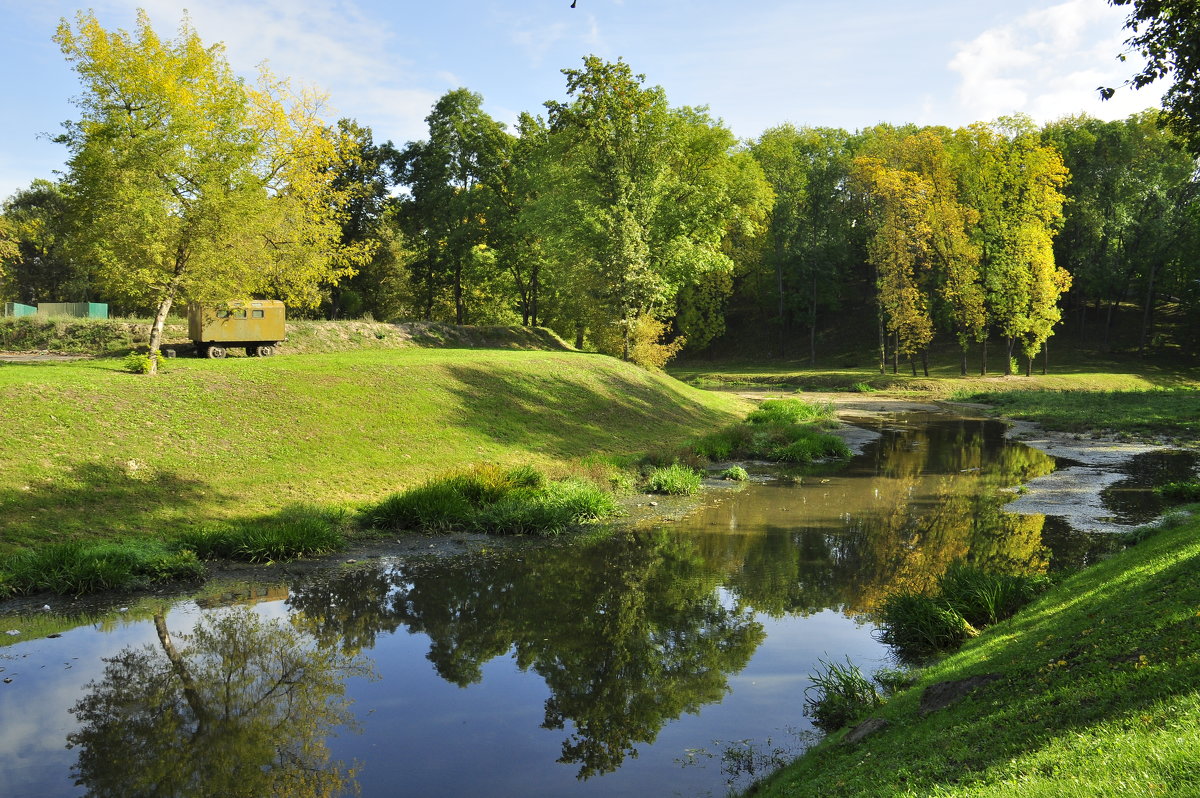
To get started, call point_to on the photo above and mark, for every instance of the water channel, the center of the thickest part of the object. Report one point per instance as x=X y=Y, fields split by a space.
x=657 y=662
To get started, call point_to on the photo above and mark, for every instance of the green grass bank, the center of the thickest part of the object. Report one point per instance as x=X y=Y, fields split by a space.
x=93 y=453
x=1098 y=694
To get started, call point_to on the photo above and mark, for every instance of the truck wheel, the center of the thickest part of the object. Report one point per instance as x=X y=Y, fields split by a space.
x=266 y=350
x=216 y=352
x=168 y=352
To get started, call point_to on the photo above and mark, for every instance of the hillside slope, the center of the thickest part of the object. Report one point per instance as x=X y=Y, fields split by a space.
x=91 y=451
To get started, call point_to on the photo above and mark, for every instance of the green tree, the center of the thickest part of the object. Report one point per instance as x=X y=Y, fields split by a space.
x=899 y=251
x=614 y=133
x=188 y=184
x=451 y=177
x=1015 y=182
x=40 y=268
x=811 y=244
x=1125 y=214
x=365 y=178
x=1167 y=34
x=646 y=202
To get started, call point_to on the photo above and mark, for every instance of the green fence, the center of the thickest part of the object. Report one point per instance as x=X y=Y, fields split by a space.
x=78 y=310
x=17 y=309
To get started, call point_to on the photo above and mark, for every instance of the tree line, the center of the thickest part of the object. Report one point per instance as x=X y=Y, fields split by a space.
x=625 y=224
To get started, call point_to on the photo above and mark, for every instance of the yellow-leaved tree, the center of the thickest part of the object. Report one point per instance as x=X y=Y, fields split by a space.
x=187 y=184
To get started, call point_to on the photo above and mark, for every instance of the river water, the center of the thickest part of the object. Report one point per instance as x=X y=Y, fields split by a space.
x=657 y=662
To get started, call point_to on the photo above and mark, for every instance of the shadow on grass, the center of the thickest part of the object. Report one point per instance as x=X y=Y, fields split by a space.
x=568 y=418
x=96 y=500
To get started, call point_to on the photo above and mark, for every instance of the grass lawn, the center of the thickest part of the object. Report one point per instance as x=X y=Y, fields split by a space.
x=1098 y=695
x=91 y=452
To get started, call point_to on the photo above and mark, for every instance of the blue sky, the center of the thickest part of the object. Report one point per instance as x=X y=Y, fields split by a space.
x=755 y=64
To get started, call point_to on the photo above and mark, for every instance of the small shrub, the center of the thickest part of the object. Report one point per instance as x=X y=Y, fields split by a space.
x=137 y=363
x=677 y=480
x=735 y=473
x=919 y=626
x=984 y=598
x=863 y=387
x=838 y=695
x=436 y=506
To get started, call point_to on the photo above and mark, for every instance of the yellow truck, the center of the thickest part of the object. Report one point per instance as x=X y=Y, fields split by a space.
x=257 y=325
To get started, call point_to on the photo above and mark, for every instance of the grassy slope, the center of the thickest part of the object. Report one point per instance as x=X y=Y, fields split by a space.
x=1100 y=696
x=94 y=452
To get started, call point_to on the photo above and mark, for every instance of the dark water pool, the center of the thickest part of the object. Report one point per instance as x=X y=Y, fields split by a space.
x=664 y=662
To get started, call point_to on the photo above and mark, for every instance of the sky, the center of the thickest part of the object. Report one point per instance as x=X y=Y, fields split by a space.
x=754 y=64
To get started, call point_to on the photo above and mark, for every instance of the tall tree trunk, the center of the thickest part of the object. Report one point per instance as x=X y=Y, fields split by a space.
x=962 y=361
x=579 y=330
x=1045 y=357
x=912 y=360
x=164 y=308
x=1008 y=356
x=1104 y=347
x=1148 y=309
x=882 y=346
x=983 y=363
x=812 y=323
x=534 y=287
x=895 y=353
x=459 y=311
x=1029 y=365
x=925 y=361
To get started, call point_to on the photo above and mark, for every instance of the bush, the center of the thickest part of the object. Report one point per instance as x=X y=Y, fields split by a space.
x=137 y=363
x=675 y=479
x=1188 y=491
x=550 y=510
x=296 y=531
x=984 y=598
x=735 y=473
x=842 y=695
x=918 y=626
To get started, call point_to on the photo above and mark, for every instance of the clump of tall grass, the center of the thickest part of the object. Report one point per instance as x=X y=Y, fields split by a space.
x=984 y=597
x=300 y=530
x=77 y=568
x=782 y=430
x=967 y=598
x=919 y=626
x=735 y=473
x=838 y=695
x=789 y=411
x=491 y=499
x=675 y=479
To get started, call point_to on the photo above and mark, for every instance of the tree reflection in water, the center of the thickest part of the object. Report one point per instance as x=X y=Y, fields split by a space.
x=628 y=634
x=240 y=707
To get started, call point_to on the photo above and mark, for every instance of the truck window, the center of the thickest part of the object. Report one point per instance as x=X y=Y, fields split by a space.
x=239 y=314
x=256 y=314
x=222 y=314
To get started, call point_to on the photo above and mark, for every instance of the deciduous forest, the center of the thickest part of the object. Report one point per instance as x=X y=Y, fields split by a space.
x=625 y=224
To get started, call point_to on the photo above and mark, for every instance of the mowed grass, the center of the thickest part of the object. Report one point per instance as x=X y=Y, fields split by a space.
x=91 y=452
x=1098 y=695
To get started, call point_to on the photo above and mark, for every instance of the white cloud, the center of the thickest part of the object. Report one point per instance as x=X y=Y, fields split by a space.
x=1048 y=64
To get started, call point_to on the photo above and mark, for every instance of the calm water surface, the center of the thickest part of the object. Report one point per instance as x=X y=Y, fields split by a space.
x=638 y=665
